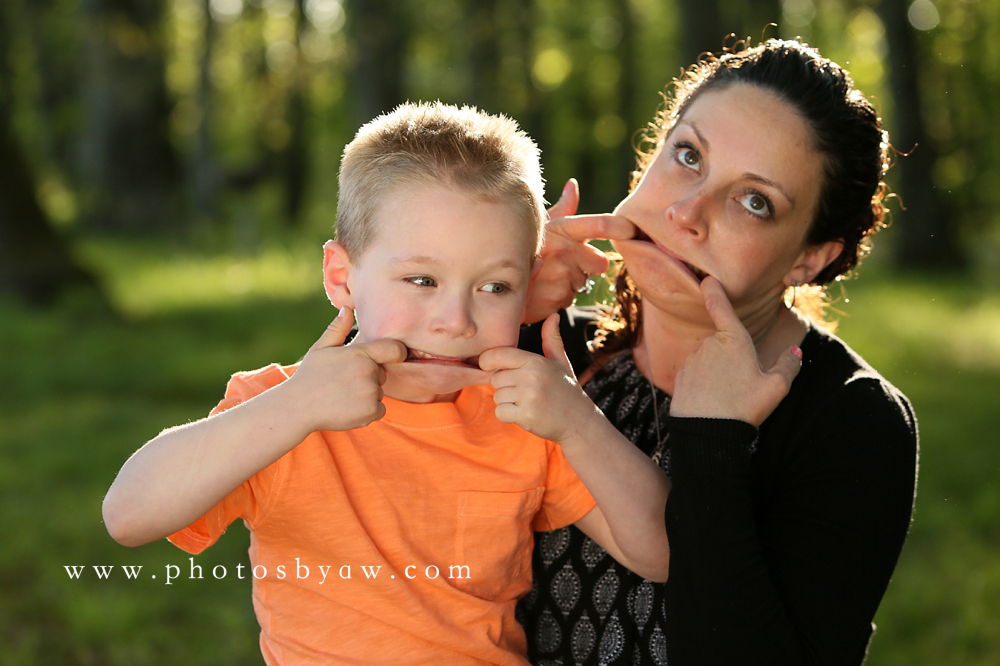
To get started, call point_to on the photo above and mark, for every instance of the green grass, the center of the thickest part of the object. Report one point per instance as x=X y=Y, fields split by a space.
x=81 y=391
x=939 y=341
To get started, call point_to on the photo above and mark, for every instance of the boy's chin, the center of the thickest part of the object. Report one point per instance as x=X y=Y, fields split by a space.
x=425 y=382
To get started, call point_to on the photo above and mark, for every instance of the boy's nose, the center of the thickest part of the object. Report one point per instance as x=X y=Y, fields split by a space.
x=454 y=318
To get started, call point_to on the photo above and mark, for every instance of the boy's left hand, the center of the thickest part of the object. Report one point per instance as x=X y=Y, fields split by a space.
x=538 y=393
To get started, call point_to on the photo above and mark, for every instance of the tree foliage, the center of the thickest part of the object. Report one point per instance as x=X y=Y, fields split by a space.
x=224 y=119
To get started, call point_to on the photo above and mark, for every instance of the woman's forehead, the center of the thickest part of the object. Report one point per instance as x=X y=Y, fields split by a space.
x=751 y=130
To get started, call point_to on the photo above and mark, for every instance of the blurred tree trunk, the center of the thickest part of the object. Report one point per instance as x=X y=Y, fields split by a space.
x=533 y=116
x=484 y=55
x=626 y=53
x=206 y=177
x=705 y=25
x=35 y=261
x=928 y=237
x=296 y=153
x=379 y=32
x=759 y=15
x=701 y=28
x=126 y=159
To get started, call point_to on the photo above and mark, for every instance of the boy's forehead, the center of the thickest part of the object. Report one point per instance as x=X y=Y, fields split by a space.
x=395 y=212
x=443 y=258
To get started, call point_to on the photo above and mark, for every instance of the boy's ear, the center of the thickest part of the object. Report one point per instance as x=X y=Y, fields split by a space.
x=536 y=268
x=336 y=271
x=812 y=261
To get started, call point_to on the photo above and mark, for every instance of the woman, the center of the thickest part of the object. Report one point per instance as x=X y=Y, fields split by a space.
x=763 y=182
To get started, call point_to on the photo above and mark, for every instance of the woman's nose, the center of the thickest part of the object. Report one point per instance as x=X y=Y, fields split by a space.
x=688 y=213
x=454 y=317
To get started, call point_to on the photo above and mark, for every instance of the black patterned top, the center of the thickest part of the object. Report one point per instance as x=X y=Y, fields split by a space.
x=782 y=539
x=587 y=593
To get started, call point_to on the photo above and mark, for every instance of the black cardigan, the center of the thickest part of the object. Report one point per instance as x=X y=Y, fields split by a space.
x=782 y=541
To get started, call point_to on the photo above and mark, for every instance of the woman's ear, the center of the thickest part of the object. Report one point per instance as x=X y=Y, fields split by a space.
x=812 y=261
x=336 y=273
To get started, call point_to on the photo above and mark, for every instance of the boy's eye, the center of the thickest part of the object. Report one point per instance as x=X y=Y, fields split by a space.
x=421 y=281
x=496 y=288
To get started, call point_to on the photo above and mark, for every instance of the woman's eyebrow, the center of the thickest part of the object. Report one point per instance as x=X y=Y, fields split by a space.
x=749 y=176
x=701 y=137
x=772 y=184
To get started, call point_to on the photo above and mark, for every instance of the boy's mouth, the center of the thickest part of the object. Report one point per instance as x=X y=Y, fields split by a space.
x=641 y=235
x=417 y=356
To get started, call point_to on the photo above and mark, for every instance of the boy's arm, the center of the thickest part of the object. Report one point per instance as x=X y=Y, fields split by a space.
x=631 y=494
x=179 y=475
x=542 y=396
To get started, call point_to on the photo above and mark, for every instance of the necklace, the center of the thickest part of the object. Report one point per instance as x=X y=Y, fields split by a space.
x=662 y=441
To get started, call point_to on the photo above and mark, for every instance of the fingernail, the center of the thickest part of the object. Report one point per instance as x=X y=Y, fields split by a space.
x=798 y=353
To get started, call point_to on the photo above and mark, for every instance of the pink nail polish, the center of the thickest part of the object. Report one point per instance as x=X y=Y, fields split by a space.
x=798 y=353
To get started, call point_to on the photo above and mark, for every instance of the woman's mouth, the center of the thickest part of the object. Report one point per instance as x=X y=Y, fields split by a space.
x=698 y=273
x=417 y=356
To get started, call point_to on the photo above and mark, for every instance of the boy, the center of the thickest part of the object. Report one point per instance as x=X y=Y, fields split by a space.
x=384 y=458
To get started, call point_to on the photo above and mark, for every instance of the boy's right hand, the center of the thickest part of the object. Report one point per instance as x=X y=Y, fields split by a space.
x=338 y=387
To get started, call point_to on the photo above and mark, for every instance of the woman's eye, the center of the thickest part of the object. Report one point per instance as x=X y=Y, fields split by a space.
x=496 y=288
x=688 y=156
x=756 y=204
x=421 y=281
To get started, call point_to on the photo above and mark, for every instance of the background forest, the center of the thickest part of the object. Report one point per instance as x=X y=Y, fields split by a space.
x=168 y=172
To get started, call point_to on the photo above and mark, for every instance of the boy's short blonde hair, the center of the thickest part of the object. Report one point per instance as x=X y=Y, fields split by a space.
x=433 y=143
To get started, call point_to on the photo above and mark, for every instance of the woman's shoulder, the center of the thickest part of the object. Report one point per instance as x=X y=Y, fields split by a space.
x=835 y=379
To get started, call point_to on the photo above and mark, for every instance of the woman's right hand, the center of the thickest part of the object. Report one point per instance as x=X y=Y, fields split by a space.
x=723 y=379
x=568 y=260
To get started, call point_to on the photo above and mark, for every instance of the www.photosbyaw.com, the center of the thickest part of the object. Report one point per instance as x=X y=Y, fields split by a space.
x=320 y=573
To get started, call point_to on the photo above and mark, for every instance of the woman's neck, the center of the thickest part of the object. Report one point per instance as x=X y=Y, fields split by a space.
x=667 y=339
x=665 y=344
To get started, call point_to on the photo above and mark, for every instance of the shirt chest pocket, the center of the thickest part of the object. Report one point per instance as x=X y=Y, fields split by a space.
x=494 y=540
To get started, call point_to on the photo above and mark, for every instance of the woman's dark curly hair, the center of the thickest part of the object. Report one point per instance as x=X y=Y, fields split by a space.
x=847 y=132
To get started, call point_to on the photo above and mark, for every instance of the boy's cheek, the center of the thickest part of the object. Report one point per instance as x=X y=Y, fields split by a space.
x=507 y=330
x=389 y=322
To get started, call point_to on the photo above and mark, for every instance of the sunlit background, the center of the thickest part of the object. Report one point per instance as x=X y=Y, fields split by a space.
x=168 y=173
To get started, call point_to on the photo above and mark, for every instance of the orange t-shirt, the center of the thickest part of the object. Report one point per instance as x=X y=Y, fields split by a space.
x=407 y=541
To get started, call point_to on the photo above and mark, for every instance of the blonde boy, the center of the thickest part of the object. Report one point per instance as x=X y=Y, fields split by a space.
x=390 y=509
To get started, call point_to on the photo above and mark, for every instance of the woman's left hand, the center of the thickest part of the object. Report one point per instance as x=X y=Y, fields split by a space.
x=568 y=260
x=723 y=378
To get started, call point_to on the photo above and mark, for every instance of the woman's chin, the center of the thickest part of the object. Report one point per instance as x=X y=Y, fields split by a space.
x=663 y=281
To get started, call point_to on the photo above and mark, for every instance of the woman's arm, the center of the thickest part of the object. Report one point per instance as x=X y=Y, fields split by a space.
x=781 y=557
x=790 y=571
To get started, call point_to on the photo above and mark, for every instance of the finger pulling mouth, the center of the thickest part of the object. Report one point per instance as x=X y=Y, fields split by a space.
x=641 y=235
